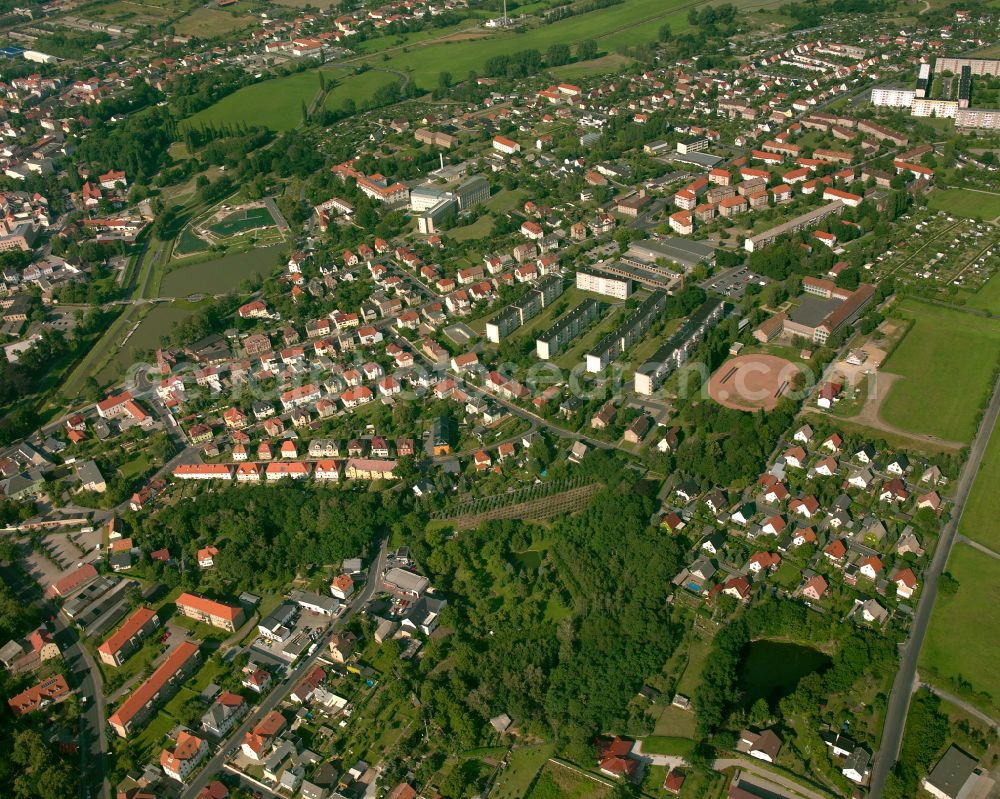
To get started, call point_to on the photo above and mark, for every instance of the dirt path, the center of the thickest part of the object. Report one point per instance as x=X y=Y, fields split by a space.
x=869 y=416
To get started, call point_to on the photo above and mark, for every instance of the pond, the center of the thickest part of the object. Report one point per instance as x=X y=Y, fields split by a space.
x=772 y=669
x=530 y=559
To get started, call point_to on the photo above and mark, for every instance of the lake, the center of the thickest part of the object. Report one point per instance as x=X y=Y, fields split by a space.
x=772 y=669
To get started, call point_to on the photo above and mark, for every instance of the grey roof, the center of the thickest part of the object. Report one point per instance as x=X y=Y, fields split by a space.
x=682 y=251
x=952 y=772
x=812 y=310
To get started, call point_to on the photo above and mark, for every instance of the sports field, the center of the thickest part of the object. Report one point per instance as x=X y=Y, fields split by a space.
x=221 y=275
x=242 y=221
x=276 y=104
x=751 y=382
x=961 y=647
x=965 y=202
x=947 y=360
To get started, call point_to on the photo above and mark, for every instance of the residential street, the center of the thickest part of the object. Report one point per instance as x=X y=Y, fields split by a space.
x=899 y=698
x=272 y=700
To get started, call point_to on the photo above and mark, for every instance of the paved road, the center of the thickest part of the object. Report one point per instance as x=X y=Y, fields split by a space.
x=90 y=690
x=899 y=698
x=272 y=700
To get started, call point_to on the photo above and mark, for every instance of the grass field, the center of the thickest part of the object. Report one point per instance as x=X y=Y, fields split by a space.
x=206 y=22
x=276 y=104
x=479 y=229
x=612 y=62
x=961 y=647
x=221 y=275
x=156 y=324
x=988 y=297
x=242 y=221
x=525 y=762
x=964 y=202
x=357 y=87
x=980 y=514
x=947 y=360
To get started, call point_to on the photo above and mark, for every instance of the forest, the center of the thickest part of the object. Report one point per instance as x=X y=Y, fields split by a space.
x=560 y=645
x=266 y=534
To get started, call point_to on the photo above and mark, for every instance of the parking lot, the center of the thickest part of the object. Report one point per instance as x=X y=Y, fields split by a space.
x=732 y=283
x=65 y=552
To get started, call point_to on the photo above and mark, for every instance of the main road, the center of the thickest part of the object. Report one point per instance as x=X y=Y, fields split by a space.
x=902 y=687
x=273 y=699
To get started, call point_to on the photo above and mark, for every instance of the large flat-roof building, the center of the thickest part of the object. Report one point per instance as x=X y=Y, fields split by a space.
x=801 y=222
x=566 y=328
x=610 y=286
x=686 y=252
x=627 y=333
x=548 y=289
x=674 y=353
x=818 y=317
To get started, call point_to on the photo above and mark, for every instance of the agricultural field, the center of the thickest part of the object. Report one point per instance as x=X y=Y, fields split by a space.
x=964 y=202
x=161 y=319
x=960 y=652
x=947 y=360
x=219 y=275
x=276 y=103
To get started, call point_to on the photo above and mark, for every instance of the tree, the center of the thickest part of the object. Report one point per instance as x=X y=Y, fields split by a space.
x=586 y=50
x=444 y=80
x=557 y=54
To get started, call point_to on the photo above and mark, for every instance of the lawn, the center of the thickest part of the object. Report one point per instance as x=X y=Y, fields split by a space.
x=524 y=764
x=667 y=745
x=698 y=650
x=219 y=275
x=160 y=320
x=675 y=723
x=506 y=200
x=947 y=360
x=961 y=649
x=979 y=516
x=560 y=782
x=964 y=202
x=276 y=103
x=988 y=297
x=479 y=229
